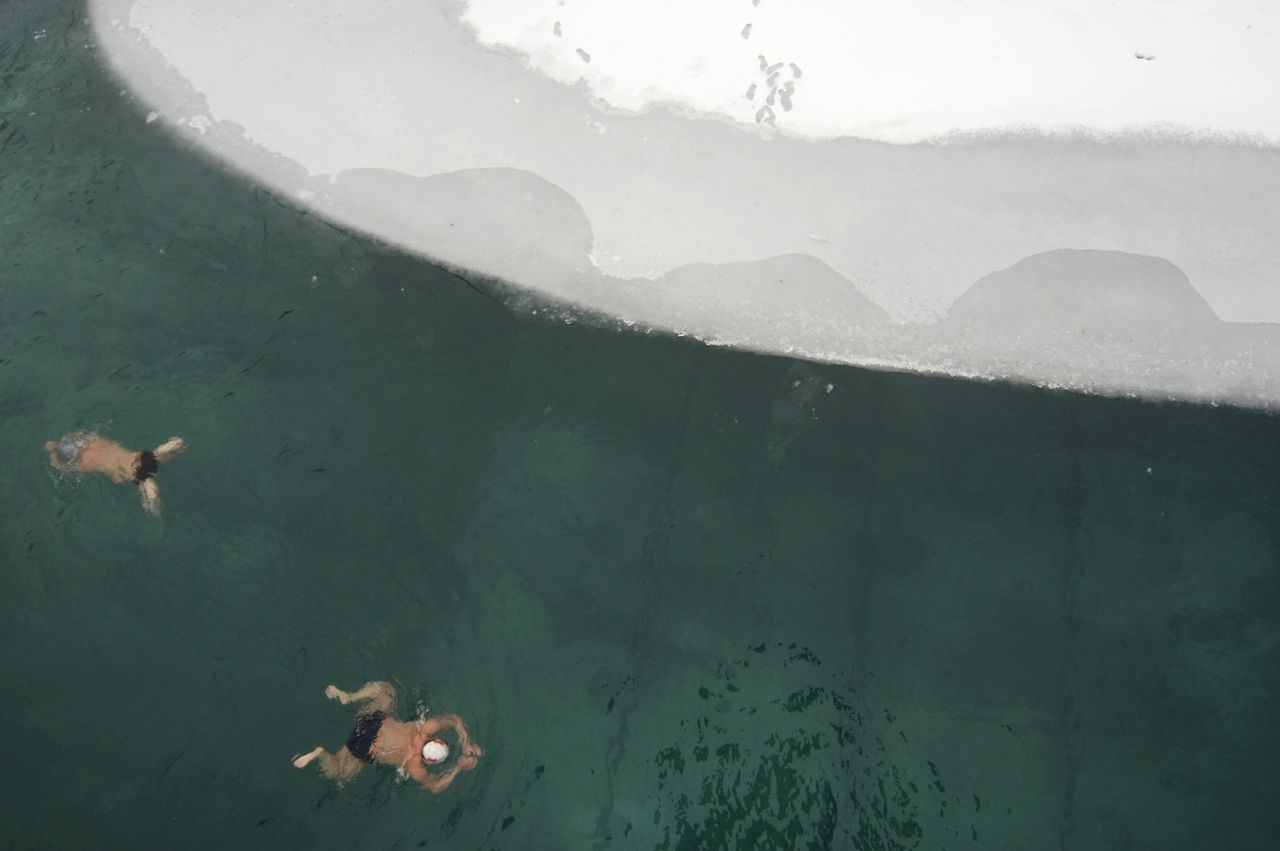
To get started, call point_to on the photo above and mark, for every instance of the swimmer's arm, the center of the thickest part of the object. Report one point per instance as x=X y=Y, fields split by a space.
x=448 y=721
x=437 y=783
x=382 y=693
x=150 y=493
x=444 y=721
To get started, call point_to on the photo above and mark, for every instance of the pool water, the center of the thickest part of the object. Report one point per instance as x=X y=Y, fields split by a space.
x=686 y=598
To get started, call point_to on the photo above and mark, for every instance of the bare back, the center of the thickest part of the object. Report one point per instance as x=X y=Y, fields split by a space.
x=106 y=456
x=85 y=452
x=397 y=743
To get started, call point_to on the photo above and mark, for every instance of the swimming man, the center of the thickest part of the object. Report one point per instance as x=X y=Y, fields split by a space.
x=412 y=746
x=86 y=452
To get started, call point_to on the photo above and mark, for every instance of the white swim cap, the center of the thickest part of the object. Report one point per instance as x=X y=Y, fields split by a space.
x=435 y=751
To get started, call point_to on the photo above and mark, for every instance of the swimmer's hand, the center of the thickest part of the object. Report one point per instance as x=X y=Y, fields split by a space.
x=466 y=762
x=335 y=693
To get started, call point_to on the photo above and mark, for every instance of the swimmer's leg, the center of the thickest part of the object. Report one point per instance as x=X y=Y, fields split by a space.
x=172 y=447
x=305 y=759
x=150 y=493
x=381 y=695
x=342 y=766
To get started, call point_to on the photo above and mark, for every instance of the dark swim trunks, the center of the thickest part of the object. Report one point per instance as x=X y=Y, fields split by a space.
x=145 y=467
x=360 y=742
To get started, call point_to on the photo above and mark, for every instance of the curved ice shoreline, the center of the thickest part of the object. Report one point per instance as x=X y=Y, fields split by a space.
x=844 y=250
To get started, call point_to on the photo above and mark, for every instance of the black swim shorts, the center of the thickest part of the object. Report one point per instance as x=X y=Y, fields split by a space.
x=360 y=742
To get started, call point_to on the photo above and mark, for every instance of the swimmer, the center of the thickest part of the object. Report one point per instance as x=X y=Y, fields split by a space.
x=86 y=452
x=412 y=746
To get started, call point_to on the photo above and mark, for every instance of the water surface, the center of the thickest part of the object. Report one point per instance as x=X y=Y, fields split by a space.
x=687 y=598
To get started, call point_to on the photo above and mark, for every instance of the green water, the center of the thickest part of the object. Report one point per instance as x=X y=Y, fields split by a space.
x=687 y=598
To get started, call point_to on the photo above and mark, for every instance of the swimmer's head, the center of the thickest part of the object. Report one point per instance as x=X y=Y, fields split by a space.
x=435 y=752
x=68 y=449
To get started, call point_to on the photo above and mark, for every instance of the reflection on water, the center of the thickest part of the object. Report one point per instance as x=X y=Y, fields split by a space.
x=687 y=598
x=796 y=408
x=822 y=777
